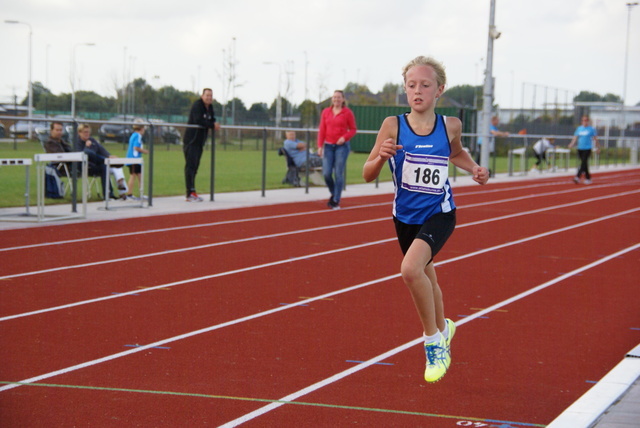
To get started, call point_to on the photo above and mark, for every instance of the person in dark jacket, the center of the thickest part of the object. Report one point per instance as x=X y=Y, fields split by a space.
x=194 y=139
x=96 y=154
x=55 y=144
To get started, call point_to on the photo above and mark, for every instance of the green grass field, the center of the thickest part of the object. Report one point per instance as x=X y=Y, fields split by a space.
x=236 y=170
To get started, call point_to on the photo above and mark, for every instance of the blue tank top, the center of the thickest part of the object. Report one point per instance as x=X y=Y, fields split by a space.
x=420 y=173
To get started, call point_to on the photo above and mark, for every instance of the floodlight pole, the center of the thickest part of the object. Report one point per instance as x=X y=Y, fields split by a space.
x=73 y=76
x=623 y=125
x=11 y=21
x=279 y=99
x=487 y=96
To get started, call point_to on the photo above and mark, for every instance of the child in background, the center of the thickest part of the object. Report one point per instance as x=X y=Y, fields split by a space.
x=135 y=151
x=539 y=150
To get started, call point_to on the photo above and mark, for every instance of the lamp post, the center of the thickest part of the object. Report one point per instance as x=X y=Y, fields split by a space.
x=626 y=61
x=487 y=100
x=279 y=99
x=73 y=76
x=10 y=21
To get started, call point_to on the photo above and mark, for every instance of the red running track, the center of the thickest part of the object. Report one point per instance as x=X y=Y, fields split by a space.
x=295 y=315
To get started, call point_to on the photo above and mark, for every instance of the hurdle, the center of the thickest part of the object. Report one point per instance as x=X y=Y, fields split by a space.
x=555 y=155
x=41 y=161
x=109 y=162
x=26 y=163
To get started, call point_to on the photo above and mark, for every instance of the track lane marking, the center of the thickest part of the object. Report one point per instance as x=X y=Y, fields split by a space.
x=314 y=255
x=331 y=294
x=315 y=229
x=338 y=376
x=323 y=211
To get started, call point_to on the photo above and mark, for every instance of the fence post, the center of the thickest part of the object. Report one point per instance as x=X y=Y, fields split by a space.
x=264 y=161
x=74 y=169
x=212 y=180
x=306 y=173
x=150 y=168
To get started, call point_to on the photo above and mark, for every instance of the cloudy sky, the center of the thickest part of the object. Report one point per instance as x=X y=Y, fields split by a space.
x=552 y=49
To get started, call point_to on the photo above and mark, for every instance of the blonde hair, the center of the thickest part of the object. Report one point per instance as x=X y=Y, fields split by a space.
x=441 y=75
x=138 y=125
x=83 y=126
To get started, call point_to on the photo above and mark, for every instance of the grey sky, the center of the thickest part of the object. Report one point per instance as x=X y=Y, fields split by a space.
x=569 y=45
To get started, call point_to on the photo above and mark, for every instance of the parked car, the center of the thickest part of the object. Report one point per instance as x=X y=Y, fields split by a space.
x=116 y=131
x=21 y=127
x=165 y=133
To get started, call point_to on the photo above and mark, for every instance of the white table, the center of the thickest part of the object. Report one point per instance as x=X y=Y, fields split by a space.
x=41 y=161
x=554 y=153
x=109 y=162
x=520 y=152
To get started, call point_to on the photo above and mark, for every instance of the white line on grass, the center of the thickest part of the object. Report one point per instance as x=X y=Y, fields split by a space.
x=324 y=296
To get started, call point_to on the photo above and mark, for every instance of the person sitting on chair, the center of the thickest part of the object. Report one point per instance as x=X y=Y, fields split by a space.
x=97 y=154
x=297 y=150
x=55 y=144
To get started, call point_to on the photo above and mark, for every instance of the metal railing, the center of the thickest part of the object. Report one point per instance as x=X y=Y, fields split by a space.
x=261 y=134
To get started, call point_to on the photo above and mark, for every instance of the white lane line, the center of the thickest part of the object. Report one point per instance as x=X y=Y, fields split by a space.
x=282 y=308
x=338 y=376
x=315 y=229
x=323 y=253
x=323 y=211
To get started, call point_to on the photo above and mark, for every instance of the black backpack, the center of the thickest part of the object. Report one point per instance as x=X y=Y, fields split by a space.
x=52 y=184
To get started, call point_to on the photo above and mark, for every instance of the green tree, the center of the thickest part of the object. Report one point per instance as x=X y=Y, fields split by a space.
x=286 y=107
x=611 y=98
x=389 y=94
x=360 y=95
x=236 y=110
x=89 y=101
x=586 y=96
x=466 y=95
x=258 y=113
x=309 y=116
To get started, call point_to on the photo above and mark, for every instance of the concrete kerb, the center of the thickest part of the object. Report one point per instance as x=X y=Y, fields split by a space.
x=177 y=204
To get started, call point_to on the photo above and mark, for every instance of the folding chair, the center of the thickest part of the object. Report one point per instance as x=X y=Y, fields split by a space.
x=292 y=176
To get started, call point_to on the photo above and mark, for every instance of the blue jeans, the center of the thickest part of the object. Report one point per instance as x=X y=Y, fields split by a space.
x=334 y=161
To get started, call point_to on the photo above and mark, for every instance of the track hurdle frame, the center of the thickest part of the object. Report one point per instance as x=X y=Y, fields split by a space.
x=41 y=161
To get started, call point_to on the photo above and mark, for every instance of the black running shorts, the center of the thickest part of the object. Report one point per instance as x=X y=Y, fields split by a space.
x=435 y=231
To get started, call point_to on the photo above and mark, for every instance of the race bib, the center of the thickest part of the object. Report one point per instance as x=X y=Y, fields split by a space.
x=425 y=173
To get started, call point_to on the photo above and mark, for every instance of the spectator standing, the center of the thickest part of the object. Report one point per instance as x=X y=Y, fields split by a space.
x=136 y=150
x=495 y=132
x=418 y=147
x=194 y=139
x=586 y=137
x=337 y=127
